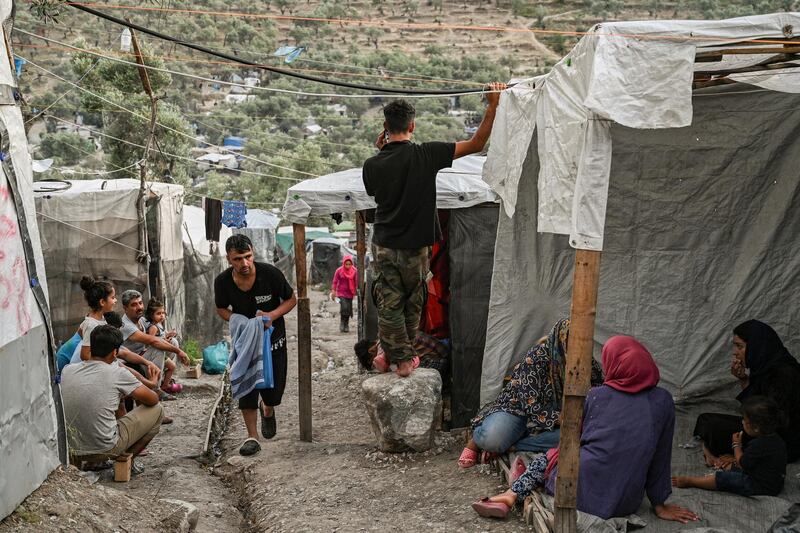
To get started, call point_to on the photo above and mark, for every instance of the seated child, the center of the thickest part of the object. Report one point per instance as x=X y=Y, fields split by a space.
x=91 y=390
x=759 y=465
x=154 y=324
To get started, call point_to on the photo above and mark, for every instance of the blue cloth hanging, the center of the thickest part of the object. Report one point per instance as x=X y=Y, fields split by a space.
x=289 y=53
x=234 y=214
x=269 y=376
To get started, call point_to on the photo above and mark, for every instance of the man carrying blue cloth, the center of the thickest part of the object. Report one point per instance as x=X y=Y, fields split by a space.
x=252 y=289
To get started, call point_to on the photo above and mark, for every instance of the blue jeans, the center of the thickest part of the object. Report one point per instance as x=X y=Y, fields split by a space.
x=500 y=431
x=735 y=481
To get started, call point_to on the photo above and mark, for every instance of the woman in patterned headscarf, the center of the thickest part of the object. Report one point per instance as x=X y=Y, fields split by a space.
x=526 y=414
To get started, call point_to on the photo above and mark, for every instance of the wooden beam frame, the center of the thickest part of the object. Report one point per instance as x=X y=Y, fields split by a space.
x=576 y=385
x=303 y=333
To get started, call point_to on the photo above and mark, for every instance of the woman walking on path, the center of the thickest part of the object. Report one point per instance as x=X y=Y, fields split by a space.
x=344 y=287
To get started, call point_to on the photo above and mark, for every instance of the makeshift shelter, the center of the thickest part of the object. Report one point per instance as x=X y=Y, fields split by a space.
x=326 y=256
x=672 y=147
x=202 y=262
x=261 y=228
x=32 y=436
x=468 y=210
x=93 y=227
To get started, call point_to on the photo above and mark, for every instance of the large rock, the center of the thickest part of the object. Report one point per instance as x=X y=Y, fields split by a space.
x=404 y=412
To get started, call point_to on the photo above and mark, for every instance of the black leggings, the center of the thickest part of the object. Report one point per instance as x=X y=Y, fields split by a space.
x=716 y=430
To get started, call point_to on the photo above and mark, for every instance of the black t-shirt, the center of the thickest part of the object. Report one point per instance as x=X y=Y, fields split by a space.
x=764 y=460
x=402 y=179
x=269 y=290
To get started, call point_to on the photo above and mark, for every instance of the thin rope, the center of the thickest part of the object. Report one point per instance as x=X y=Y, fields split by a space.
x=257 y=88
x=89 y=232
x=67 y=171
x=168 y=128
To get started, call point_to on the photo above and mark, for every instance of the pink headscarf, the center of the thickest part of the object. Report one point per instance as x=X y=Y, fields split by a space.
x=628 y=366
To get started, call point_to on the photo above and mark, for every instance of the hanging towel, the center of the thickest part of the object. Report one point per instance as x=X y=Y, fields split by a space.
x=246 y=362
x=234 y=214
x=213 y=210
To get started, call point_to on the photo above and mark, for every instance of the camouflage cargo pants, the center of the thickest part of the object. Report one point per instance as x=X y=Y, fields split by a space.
x=400 y=290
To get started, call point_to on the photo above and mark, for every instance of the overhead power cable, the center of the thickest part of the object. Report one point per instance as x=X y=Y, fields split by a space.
x=164 y=126
x=276 y=70
x=256 y=88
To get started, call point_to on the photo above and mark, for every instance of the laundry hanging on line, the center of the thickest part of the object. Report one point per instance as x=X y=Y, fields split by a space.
x=234 y=214
x=213 y=209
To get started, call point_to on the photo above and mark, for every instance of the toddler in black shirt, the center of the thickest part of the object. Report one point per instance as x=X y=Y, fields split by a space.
x=759 y=464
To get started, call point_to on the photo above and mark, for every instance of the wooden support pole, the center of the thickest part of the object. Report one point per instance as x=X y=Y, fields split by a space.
x=303 y=333
x=576 y=384
x=361 y=259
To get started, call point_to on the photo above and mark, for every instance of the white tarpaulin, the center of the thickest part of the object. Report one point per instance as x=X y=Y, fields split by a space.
x=637 y=74
x=29 y=439
x=343 y=192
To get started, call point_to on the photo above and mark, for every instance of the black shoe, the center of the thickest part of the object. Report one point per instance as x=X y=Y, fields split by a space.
x=250 y=447
x=269 y=426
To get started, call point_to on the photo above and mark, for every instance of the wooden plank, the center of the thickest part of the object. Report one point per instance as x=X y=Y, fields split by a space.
x=716 y=55
x=576 y=384
x=361 y=259
x=303 y=333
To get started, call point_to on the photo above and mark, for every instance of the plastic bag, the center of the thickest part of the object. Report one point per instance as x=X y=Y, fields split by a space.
x=266 y=353
x=215 y=358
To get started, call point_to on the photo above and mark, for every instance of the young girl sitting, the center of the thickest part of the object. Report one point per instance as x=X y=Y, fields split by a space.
x=759 y=465
x=155 y=316
x=101 y=297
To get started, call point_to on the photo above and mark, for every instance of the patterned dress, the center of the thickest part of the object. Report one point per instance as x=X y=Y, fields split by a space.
x=536 y=388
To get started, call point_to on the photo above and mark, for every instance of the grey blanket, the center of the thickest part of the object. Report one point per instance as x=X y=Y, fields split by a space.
x=246 y=360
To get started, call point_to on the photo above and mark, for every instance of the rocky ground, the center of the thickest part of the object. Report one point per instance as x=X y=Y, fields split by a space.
x=338 y=482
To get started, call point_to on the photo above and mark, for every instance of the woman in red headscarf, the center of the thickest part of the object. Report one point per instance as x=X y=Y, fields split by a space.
x=344 y=287
x=626 y=444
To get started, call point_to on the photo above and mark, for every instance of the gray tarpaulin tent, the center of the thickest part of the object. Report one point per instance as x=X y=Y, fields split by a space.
x=91 y=227
x=200 y=267
x=472 y=222
x=261 y=228
x=32 y=438
x=691 y=195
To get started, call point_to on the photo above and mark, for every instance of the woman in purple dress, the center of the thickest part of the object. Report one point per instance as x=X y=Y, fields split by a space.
x=626 y=444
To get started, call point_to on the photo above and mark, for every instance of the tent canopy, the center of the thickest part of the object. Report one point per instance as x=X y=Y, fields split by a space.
x=636 y=74
x=343 y=192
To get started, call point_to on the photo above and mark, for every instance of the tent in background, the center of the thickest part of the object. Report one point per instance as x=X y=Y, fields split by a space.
x=677 y=157
x=468 y=209
x=261 y=228
x=91 y=227
x=200 y=267
x=32 y=435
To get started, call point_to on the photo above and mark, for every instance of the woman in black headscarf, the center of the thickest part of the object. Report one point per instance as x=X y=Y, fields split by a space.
x=764 y=367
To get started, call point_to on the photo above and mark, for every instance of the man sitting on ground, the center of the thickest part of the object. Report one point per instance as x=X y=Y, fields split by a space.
x=136 y=340
x=97 y=427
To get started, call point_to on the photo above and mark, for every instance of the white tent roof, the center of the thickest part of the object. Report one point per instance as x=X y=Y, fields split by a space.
x=638 y=74
x=343 y=192
x=194 y=231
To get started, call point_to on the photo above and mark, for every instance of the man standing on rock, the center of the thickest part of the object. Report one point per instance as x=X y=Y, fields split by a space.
x=402 y=179
x=256 y=289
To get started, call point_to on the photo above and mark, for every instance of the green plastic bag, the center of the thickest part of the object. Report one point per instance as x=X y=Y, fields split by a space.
x=215 y=358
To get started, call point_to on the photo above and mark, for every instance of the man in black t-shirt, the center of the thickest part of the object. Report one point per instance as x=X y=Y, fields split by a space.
x=256 y=289
x=402 y=179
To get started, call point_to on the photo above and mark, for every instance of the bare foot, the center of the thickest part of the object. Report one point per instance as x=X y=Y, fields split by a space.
x=681 y=482
x=509 y=498
x=405 y=368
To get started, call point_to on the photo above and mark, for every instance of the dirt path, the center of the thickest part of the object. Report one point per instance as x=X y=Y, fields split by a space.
x=340 y=482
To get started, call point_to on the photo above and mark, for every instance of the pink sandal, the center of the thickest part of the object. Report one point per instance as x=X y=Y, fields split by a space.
x=489 y=509
x=517 y=469
x=173 y=388
x=468 y=459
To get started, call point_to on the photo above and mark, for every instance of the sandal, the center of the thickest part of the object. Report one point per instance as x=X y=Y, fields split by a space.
x=468 y=458
x=489 y=509
x=173 y=388
x=250 y=447
x=269 y=426
x=517 y=469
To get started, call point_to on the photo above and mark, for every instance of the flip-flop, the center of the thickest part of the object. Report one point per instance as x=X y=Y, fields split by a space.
x=468 y=458
x=269 y=427
x=250 y=447
x=517 y=469
x=489 y=509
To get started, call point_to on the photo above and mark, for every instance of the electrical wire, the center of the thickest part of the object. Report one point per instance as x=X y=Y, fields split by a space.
x=276 y=70
x=428 y=94
x=189 y=159
x=66 y=93
x=168 y=128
